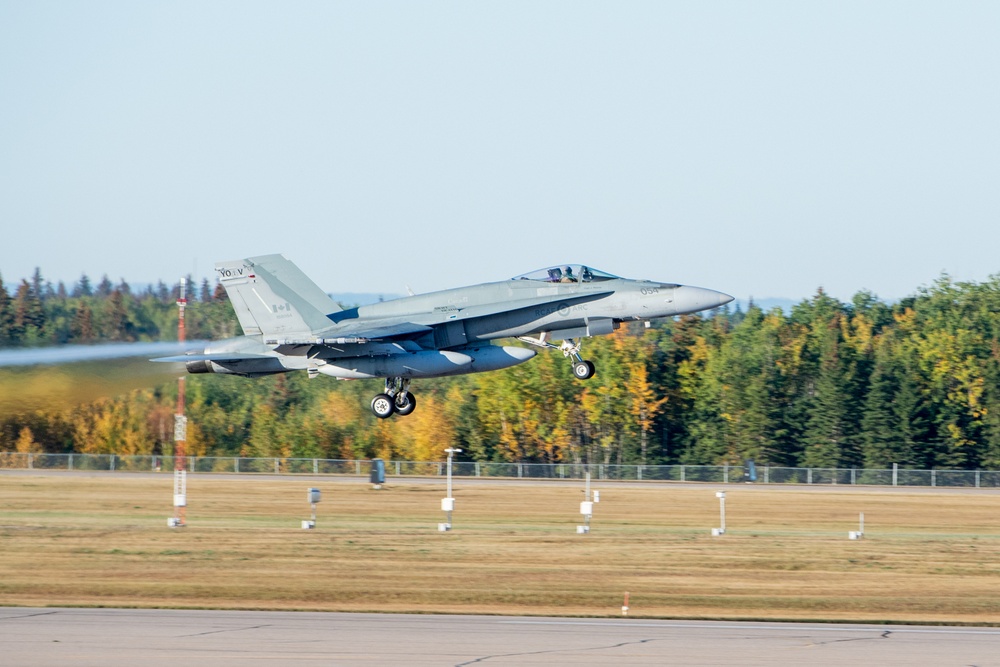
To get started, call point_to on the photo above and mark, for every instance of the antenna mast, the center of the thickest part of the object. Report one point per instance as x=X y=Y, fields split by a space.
x=180 y=428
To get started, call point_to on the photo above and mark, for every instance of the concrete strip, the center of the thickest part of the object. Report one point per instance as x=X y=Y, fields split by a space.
x=154 y=638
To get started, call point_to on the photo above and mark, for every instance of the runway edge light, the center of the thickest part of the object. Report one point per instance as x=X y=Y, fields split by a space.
x=314 y=496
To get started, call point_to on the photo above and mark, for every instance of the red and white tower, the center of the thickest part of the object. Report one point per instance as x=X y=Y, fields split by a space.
x=180 y=428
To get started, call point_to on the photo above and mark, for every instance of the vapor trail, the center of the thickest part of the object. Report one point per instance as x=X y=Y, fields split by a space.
x=56 y=378
x=65 y=354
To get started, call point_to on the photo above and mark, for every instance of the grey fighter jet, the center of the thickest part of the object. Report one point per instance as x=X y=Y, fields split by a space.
x=291 y=324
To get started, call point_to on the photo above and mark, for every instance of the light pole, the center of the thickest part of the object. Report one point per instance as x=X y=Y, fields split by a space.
x=448 y=504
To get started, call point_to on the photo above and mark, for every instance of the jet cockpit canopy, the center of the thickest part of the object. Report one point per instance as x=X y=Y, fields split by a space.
x=567 y=273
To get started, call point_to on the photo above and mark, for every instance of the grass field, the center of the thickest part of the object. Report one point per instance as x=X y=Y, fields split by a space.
x=103 y=540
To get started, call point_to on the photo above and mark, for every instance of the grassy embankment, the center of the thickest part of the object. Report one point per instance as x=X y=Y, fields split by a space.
x=926 y=557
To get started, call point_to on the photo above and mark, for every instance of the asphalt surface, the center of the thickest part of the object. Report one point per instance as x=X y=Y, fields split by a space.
x=39 y=637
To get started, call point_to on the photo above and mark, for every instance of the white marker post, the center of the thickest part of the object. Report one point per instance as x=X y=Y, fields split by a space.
x=721 y=530
x=861 y=528
x=448 y=504
x=586 y=509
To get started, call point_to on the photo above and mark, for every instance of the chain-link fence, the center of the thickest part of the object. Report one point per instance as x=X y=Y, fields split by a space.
x=665 y=473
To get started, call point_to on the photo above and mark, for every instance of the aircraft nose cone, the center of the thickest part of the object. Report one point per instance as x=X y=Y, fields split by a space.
x=689 y=299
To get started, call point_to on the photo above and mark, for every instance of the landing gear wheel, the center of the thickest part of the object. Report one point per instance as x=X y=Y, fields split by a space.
x=405 y=403
x=583 y=370
x=382 y=406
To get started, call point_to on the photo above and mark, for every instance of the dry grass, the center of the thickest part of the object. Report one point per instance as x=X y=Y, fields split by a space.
x=926 y=556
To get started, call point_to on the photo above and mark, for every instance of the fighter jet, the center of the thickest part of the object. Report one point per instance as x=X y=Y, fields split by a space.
x=290 y=324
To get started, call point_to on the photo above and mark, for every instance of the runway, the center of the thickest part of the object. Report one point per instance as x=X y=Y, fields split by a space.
x=40 y=637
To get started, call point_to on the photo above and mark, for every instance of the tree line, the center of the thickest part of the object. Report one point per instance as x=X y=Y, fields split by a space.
x=36 y=312
x=862 y=383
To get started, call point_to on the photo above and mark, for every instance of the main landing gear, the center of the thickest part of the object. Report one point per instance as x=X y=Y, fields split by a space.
x=397 y=399
x=582 y=369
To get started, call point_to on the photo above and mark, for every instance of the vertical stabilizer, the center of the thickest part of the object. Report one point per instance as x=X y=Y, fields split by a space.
x=272 y=296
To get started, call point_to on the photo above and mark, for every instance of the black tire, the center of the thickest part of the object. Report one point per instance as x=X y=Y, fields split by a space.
x=382 y=406
x=408 y=405
x=583 y=370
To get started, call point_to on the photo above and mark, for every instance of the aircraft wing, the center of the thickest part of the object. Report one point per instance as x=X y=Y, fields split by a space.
x=384 y=329
x=417 y=324
x=510 y=306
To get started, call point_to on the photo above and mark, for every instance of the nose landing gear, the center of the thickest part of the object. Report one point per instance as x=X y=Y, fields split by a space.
x=582 y=369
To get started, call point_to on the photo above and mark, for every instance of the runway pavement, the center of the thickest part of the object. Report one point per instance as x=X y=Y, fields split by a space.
x=39 y=637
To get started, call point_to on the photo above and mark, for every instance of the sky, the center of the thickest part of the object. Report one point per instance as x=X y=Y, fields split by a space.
x=764 y=149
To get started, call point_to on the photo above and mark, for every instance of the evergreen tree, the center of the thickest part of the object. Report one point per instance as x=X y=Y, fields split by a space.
x=82 y=328
x=827 y=435
x=6 y=316
x=104 y=288
x=917 y=441
x=83 y=288
x=882 y=444
x=117 y=326
x=29 y=314
x=38 y=284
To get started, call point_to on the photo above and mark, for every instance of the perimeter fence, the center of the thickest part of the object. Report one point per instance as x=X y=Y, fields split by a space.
x=723 y=474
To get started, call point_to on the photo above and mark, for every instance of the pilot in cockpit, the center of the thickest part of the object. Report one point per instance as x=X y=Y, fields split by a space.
x=567 y=275
x=555 y=275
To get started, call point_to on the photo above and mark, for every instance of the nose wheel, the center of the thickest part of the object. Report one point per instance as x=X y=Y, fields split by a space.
x=396 y=399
